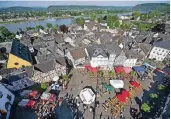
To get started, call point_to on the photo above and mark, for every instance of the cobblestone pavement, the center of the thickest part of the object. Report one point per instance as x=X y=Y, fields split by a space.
x=75 y=86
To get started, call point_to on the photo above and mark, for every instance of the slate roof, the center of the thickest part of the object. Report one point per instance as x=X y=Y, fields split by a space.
x=61 y=61
x=21 y=51
x=45 y=57
x=131 y=54
x=58 y=38
x=7 y=71
x=140 y=38
x=145 y=47
x=78 y=53
x=17 y=77
x=112 y=48
x=96 y=50
x=106 y=37
x=29 y=71
x=163 y=44
x=90 y=24
x=46 y=66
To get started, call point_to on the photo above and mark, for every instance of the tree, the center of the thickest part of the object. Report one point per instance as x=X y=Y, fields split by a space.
x=91 y=73
x=92 y=17
x=80 y=21
x=132 y=73
x=28 y=28
x=153 y=95
x=66 y=79
x=64 y=28
x=111 y=73
x=49 y=25
x=55 y=28
x=122 y=73
x=112 y=21
x=161 y=87
x=39 y=27
x=145 y=107
x=136 y=14
x=100 y=73
x=143 y=17
x=6 y=34
x=117 y=23
x=44 y=85
x=100 y=19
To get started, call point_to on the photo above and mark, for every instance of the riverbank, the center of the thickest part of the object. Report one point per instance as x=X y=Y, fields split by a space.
x=20 y=21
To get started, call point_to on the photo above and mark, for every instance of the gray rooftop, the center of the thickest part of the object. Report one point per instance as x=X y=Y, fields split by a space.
x=46 y=66
x=163 y=44
x=145 y=47
x=17 y=77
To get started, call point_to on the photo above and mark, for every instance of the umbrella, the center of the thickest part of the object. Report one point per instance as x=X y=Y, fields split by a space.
x=125 y=93
x=55 y=86
x=134 y=83
x=87 y=96
x=121 y=98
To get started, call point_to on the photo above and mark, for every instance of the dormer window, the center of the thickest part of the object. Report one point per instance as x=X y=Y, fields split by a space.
x=1 y=95
x=16 y=63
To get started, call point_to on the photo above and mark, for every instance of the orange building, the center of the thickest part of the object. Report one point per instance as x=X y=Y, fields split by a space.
x=19 y=56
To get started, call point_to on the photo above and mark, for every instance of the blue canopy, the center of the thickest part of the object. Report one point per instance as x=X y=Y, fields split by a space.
x=139 y=69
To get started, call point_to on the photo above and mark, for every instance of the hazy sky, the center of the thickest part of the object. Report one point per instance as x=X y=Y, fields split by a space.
x=98 y=3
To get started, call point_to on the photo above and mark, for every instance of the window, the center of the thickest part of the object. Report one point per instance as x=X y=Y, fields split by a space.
x=7 y=105
x=162 y=50
x=1 y=95
x=16 y=63
x=9 y=97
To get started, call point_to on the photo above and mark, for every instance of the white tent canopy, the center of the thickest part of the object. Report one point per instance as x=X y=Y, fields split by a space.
x=56 y=78
x=87 y=96
x=55 y=86
x=23 y=102
x=117 y=83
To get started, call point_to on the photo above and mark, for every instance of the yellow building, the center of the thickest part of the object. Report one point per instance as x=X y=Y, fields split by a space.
x=19 y=55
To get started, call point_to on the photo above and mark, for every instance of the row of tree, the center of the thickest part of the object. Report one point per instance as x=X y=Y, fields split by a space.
x=5 y=34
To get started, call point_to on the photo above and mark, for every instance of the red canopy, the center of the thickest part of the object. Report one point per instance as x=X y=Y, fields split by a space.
x=33 y=93
x=118 y=70
x=125 y=93
x=121 y=98
x=92 y=69
x=30 y=103
x=126 y=70
x=52 y=98
x=134 y=83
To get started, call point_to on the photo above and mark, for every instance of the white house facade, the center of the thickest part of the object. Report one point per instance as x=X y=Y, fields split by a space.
x=158 y=53
x=130 y=62
x=99 y=61
x=6 y=101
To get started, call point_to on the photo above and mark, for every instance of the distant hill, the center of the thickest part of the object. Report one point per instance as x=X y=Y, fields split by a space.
x=76 y=7
x=152 y=6
x=21 y=9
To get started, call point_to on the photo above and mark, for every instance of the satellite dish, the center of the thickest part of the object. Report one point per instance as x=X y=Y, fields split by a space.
x=56 y=78
x=0 y=77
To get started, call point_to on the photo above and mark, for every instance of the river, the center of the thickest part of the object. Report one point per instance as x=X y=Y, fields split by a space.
x=13 y=27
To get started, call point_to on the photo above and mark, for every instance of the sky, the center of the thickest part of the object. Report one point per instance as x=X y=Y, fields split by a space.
x=64 y=2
